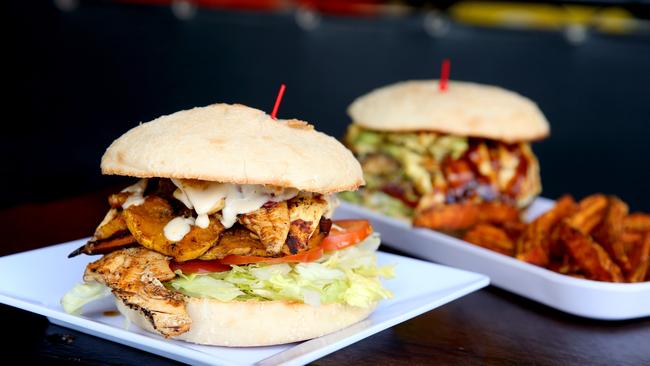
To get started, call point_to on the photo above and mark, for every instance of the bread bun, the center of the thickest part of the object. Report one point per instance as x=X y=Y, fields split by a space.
x=256 y=323
x=464 y=109
x=234 y=144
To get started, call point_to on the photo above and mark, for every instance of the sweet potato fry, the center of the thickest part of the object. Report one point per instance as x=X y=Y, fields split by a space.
x=491 y=237
x=448 y=217
x=610 y=231
x=631 y=239
x=639 y=259
x=565 y=266
x=462 y=216
x=533 y=245
x=637 y=222
x=556 y=247
x=514 y=229
x=589 y=255
x=497 y=213
x=591 y=211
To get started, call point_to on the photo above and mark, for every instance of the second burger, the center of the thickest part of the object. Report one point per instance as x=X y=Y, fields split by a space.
x=446 y=159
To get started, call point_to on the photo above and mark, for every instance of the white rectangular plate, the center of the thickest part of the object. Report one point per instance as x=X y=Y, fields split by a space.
x=36 y=281
x=591 y=299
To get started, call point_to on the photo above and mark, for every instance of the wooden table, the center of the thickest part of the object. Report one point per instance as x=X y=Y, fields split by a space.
x=487 y=327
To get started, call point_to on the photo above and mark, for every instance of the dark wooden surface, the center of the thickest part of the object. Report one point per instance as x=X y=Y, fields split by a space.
x=487 y=327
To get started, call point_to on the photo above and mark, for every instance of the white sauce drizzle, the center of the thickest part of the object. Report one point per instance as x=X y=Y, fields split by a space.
x=232 y=199
x=178 y=227
x=136 y=197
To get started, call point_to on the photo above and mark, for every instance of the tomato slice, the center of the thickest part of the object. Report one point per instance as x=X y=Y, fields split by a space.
x=308 y=256
x=199 y=266
x=345 y=233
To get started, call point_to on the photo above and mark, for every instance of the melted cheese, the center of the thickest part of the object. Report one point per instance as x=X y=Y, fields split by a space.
x=178 y=227
x=137 y=191
x=231 y=199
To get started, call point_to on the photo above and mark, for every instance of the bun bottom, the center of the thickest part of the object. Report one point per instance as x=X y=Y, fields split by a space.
x=256 y=323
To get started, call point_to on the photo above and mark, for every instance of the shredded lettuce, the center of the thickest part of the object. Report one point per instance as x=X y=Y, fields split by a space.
x=75 y=299
x=348 y=276
x=205 y=286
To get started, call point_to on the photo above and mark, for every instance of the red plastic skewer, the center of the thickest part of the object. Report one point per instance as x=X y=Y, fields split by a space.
x=444 y=74
x=278 y=100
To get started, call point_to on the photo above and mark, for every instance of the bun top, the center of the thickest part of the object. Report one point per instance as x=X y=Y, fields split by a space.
x=465 y=109
x=234 y=144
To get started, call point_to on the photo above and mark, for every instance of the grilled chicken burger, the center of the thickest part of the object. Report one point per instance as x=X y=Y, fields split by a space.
x=226 y=238
x=447 y=160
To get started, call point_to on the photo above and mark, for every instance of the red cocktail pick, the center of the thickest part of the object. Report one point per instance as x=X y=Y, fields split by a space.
x=278 y=100
x=444 y=74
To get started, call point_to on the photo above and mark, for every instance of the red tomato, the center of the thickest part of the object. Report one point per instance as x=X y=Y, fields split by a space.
x=199 y=266
x=350 y=233
x=308 y=256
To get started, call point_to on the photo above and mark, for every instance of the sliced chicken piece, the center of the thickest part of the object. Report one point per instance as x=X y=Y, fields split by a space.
x=111 y=234
x=238 y=241
x=305 y=211
x=135 y=275
x=270 y=223
x=147 y=221
x=112 y=224
x=116 y=200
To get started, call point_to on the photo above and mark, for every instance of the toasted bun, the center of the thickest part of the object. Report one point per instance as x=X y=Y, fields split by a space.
x=234 y=144
x=256 y=323
x=465 y=109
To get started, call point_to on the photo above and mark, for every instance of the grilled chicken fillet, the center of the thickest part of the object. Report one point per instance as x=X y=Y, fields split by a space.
x=135 y=276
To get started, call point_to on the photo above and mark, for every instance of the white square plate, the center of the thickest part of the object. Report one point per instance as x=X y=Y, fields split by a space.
x=591 y=299
x=36 y=281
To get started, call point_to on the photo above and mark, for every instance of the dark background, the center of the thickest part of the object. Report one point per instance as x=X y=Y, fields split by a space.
x=77 y=80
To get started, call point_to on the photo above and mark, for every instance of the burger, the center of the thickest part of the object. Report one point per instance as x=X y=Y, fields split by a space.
x=226 y=237
x=448 y=159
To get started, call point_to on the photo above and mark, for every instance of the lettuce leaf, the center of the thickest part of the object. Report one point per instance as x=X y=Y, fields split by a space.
x=348 y=276
x=81 y=294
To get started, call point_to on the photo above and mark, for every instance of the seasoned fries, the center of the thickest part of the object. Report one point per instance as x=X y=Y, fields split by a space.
x=491 y=237
x=638 y=222
x=534 y=244
x=595 y=239
x=462 y=216
x=639 y=256
x=448 y=217
x=590 y=256
x=591 y=211
x=610 y=232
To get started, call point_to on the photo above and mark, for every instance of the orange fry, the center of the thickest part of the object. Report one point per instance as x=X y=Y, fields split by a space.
x=448 y=217
x=639 y=260
x=491 y=237
x=556 y=247
x=637 y=222
x=565 y=266
x=631 y=239
x=533 y=245
x=589 y=255
x=610 y=231
x=497 y=212
x=590 y=213
x=514 y=229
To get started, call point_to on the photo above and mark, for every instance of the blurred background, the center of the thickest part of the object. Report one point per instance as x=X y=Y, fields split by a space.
x=80 y=73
